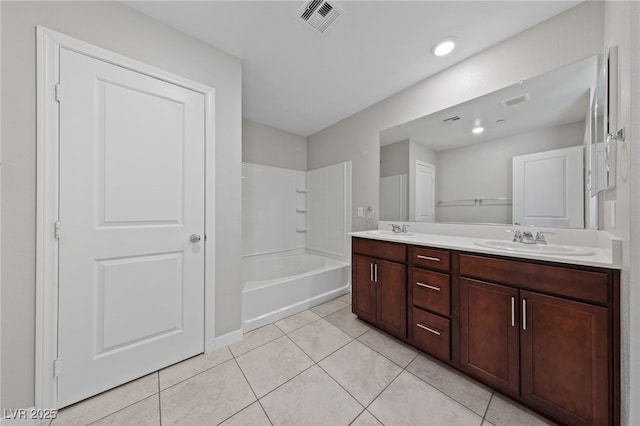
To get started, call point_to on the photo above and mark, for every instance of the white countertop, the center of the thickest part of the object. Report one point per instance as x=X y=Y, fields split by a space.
x=605 y=255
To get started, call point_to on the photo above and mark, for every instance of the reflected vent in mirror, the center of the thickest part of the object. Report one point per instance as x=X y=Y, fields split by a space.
x=515 y=101
x=450 y=119
x=319 y=14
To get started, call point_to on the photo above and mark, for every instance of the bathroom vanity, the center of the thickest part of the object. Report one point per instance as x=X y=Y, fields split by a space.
x=543 y=332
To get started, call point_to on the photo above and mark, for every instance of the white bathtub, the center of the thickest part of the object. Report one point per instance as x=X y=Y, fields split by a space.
x=276 y=286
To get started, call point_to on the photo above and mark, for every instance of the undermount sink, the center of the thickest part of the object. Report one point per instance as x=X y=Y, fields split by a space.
x=535 y=248
x=384 y=233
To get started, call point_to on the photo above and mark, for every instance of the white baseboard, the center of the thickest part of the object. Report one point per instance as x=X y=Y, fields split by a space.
x=228 y=339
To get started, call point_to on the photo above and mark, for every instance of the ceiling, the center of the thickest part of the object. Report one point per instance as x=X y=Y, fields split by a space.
x=300 y=81
x=555 y=98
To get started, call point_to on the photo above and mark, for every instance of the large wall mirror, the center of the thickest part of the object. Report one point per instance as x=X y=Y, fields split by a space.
x=516 y=155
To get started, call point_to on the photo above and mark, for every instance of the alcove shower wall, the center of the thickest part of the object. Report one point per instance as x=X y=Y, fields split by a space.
x=295 y=240
x=285 y=210
x=273 y=209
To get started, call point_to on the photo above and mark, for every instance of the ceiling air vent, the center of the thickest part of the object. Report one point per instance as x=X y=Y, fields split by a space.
x=320 y=14
x=515 y=100
x=451 y=119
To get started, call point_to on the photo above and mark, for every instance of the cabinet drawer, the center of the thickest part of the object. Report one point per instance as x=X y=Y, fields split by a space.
x=431 y=291
x=431 y=334
x=574 y=283
x=430 y=258
x=380 y=249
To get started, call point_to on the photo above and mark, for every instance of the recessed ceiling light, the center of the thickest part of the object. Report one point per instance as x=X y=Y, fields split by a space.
x=444 y=47
x=478 y=130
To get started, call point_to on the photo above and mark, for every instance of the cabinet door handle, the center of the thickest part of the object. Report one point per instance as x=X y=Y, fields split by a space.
x=513 y=311
x=428 y=286
x=524 y=314
x=371 y=272
x=375 y=273
x=435 y=259
x=430 y=330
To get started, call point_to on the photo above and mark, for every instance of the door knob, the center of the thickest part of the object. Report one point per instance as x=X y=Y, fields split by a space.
x=194 y=238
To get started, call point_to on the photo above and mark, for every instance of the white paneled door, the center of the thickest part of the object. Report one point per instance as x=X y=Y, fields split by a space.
x=425 y=192
x=131 y=248
x=548 y=188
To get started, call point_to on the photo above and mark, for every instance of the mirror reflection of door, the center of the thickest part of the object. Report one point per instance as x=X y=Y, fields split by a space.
x=425 y=192
x=548 y=188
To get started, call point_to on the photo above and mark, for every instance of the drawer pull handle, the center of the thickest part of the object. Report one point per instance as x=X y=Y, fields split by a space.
x=428 y=286
x=430 y=330
x=435 y=259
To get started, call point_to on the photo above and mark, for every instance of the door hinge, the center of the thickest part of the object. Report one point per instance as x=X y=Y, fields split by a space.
x=56 y=232
x=56 y=368
x=57 y=92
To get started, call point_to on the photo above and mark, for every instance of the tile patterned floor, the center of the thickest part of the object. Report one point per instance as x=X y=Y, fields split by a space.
x=319 y=367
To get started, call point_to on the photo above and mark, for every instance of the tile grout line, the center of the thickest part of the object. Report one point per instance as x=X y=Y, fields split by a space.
x=254 y=394
x=326 y=372
x=159 y=400
x=326 y=356
x=386 y=387
x=194 y=375
x=297 y=328
x=380 y=353
x=445 y=394
x=119 y=409
x=259 y=346
x=282 y=384
x=354 y=339
x=424 y=354
x=298 y=374
x=486 y=411
x=419 y=353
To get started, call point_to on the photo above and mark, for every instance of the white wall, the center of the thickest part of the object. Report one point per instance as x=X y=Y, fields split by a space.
x=329 y=200
x=484 y=170
x=269 y=146
x=633 y=329
x=116 y=27
x=618 y=32
x=269 y=203
x=573 y=35
x=394 y=159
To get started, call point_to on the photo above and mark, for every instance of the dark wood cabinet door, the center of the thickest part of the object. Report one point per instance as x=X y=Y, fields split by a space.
x=364 y=288
x=489 y=333
x=565 y=359
x=392 y=297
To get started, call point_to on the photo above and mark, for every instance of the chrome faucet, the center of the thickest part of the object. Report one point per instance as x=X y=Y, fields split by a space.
x=398 y=229
x=527 y=238
x=517 y=236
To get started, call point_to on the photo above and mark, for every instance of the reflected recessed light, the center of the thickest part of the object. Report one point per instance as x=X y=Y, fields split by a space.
x=444 y=47
x=478 y=130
